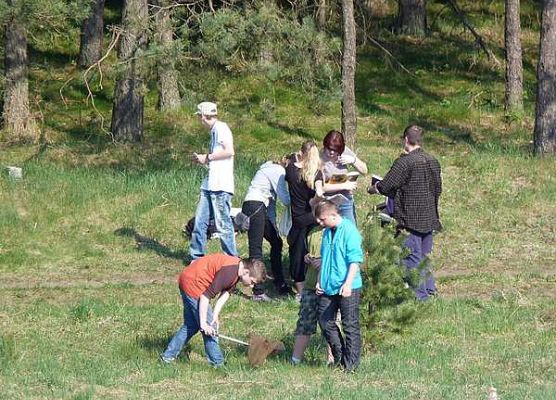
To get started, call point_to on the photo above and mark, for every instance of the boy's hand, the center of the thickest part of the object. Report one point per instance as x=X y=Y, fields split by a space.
x=345 y=290
x=200 y=158
x=314 y=262
x=318 y=289
x=208 y=330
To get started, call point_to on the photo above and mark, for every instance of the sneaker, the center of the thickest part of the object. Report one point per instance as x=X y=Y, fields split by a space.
x=295 y=361
x=284 y=290
x=167 y=360
x=261 y=297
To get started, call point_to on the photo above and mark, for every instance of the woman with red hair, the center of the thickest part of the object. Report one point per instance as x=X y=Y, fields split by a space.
x=336 y=158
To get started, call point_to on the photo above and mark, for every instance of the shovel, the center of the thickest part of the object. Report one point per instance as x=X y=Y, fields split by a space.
x=231 y=339
x=259 y=348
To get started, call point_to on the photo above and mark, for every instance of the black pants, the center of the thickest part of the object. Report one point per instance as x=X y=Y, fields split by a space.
x=347 y=349
x=297 y=242
x=261 y=227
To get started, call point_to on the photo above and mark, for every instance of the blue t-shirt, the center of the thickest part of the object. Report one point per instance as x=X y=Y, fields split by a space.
x=337 y=254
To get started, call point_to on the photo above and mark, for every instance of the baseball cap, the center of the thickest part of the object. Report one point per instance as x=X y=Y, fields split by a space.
x=206 y=108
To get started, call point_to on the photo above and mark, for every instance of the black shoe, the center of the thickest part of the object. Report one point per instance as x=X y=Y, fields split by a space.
x=284 y=290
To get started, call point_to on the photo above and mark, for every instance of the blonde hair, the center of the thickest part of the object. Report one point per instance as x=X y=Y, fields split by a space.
x=310 y=162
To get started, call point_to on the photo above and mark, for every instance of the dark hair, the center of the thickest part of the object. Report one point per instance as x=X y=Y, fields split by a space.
x=284 y=160
x=324 y=206
x=334 y=140
x=256 y=269
x=414 y=135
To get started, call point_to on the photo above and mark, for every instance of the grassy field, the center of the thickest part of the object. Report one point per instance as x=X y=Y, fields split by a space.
x=90 y=238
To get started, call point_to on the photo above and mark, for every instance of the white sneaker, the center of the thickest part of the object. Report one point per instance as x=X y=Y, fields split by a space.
x=167 y=360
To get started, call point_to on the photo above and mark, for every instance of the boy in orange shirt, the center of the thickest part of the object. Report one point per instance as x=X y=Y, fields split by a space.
x=204 y=279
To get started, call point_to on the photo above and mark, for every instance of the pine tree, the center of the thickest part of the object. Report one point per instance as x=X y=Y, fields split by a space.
x=90 y=50
x=23 y=19
x=129 y=92
x=388 y=304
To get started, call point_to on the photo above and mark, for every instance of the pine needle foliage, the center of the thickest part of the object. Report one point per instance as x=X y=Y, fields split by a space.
x=263 y=39
x=388 y=304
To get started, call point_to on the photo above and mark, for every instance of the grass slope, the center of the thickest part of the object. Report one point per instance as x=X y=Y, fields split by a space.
x=90 y=241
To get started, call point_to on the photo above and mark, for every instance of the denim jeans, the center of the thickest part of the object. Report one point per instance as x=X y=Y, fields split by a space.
x=216 y=205
x=347 y=210
x=189 y=328
x=420 y=245
x=347 y=348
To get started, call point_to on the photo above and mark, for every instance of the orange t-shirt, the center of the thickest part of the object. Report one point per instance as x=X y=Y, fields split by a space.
x=198 y=276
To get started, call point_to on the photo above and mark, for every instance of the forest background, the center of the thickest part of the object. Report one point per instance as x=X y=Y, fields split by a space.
x=90 y=236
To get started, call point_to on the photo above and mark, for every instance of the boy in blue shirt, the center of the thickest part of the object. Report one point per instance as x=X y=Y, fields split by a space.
x=340 y=284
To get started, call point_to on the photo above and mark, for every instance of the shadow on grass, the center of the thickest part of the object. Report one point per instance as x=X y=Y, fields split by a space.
x=453 y=133
x=49 y=57
x=289 y=130
x=147 y=243
x=157 y=344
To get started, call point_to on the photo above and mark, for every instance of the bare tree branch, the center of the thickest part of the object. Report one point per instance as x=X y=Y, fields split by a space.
x=389 y=54
x=478 y=38
x=116 y=33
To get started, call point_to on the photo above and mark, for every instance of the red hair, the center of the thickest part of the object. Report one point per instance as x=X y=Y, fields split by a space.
x=334 y=140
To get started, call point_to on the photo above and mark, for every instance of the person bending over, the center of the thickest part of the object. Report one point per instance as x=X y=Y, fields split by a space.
x=204 y=279
x=268 y=185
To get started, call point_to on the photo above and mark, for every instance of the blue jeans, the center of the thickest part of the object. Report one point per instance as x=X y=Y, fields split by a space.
x=216 y=205
x=420 y=245
x=347 y=210
x=189 y=328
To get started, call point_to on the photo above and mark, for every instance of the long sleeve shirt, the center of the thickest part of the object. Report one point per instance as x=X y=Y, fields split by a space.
x=339 y=249
x=415 y=183
x=268 y=185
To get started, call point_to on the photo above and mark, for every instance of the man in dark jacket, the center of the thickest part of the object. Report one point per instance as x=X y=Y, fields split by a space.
x=415 y=183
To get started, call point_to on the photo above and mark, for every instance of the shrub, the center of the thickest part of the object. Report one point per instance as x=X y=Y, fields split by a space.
x=388 y=304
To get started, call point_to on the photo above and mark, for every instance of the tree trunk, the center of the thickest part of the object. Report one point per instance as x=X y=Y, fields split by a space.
x=17 y=116
x=514 y=65
x=545 y=121
x=169 y=95
x=127 y=110
x=349 y=118
x=321 y=14
x=412 y=17
x=90 y=50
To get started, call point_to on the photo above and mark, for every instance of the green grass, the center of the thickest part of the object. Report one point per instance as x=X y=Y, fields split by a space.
x=105 y=341
x=90 y=241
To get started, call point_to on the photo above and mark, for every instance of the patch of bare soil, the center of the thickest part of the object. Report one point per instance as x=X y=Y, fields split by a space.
x=16 y=282
x=527 y=289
